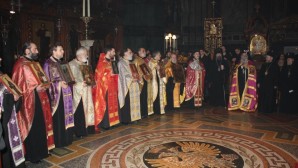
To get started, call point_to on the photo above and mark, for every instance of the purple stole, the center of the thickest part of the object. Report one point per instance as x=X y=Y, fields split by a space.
x=51 y=69
x=67 y=103
x=15 y=143
x=14 y=137
x=68 y=109
x=249 y=98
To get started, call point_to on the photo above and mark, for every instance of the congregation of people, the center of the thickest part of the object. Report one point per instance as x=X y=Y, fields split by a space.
x=128 y=87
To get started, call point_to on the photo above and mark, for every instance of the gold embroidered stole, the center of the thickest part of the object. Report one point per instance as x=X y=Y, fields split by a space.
x=134 y=95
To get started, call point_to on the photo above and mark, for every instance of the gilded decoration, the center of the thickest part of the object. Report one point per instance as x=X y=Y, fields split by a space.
x=190 y=154
x=212 y=33
x=258 y=45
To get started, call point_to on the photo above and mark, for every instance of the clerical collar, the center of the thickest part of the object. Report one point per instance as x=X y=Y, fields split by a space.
x=57 y=60
x=108 y=59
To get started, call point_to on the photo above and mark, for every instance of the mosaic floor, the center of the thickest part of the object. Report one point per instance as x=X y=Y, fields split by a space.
x=205 y=137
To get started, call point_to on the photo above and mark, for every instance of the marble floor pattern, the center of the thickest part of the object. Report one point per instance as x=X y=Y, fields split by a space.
x=275 y=137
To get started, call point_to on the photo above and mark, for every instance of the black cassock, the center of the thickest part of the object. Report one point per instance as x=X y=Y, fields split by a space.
x=169 y=91
x=242 y=78
x=206 y=62
x=267 y=78
x=144 y=100
x=80 y=122
x=217 y=79
x=289 y=88
x=124 y=114
x=8 y=103
x=156 y=103
x=36 y=141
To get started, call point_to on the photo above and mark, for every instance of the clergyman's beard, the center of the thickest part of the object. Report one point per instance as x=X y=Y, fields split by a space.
x=34 y=56
x=84 y=60
x=244 y=61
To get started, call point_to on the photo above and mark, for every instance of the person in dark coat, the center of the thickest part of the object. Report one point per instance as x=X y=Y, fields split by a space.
x=206 y=60
x=219 y=71
x=267 y=84
x=289 y=86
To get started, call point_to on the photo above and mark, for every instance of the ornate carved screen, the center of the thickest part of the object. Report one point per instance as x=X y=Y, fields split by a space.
x=212 y=33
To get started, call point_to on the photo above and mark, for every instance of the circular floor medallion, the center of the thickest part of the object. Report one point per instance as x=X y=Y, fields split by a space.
x=189 y=148
x=190 y=154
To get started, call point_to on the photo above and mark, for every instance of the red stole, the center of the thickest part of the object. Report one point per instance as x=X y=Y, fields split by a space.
x=106 y=81
x=24 y=78
x=147 y=60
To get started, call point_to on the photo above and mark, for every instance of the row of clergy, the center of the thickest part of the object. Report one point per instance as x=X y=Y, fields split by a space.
x=50 y=110
x=233 y=80
x=42 y=111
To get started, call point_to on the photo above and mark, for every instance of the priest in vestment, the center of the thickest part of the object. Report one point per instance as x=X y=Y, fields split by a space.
x=105 y=93
x=146 y=90
x=158 y=83
x=82 y=96
x=267 y=84
x=175 y=83
x=34 y=117
x=128 y=88
x=61 y=98
x=243 y=90
x=195 y=78
x=13 y=154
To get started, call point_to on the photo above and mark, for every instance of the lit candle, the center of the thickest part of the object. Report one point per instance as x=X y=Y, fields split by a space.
x=166 y=38
x=83 y=8
x=88 y=3
x=174 y=42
